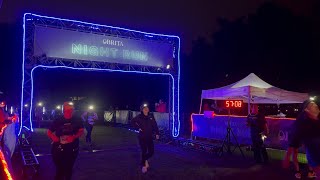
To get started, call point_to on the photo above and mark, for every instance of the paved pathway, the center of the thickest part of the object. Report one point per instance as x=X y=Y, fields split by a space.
x=117 y=157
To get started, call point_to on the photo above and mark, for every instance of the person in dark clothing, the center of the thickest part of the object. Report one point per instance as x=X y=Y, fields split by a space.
x=146 y=124
x=65 y=133
x=258 y=129
x=89 y=117
x=307 y=131
x=293 y=150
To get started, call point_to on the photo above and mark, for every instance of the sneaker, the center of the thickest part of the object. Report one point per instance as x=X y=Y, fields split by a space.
x=144 y=169
x=297 y=175
x=312 y=174
x=147 y=164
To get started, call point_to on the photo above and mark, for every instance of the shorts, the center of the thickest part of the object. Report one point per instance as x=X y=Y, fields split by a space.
x=294 y=142
x=295 y=145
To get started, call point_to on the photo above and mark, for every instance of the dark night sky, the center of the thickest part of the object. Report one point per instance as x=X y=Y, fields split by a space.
x=187 y=19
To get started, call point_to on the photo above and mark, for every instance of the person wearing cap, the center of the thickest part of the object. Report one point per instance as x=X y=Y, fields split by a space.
x=146 y=124
x=65 y=133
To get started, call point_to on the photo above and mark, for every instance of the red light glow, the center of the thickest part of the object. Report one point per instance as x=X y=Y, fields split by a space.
x=191 y=122
x=5 y=166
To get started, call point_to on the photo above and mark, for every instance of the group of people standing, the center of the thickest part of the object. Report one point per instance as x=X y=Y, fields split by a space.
x=66 y=131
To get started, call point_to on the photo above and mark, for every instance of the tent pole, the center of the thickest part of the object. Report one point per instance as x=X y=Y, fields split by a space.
x=249 y=100
x=200 y=106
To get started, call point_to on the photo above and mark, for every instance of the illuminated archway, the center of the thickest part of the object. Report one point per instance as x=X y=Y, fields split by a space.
x=50 y=42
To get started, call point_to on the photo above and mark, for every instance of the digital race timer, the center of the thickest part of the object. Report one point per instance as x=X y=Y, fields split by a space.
x=233 y=104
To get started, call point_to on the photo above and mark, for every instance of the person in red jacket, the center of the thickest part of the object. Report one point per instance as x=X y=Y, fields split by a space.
x=3 y=117
x=146 y=124
x=161 y=106
x=5 y=165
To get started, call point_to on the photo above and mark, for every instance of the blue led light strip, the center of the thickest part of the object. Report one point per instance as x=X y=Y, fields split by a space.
x=91 y=69
x=178 y=88
x=175 y=130
x=99 y=25
x=26 y=128
x=23 y=58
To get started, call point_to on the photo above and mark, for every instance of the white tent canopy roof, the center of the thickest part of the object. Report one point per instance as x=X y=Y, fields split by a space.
x=260 y=92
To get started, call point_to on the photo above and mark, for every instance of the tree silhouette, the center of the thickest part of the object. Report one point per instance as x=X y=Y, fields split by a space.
x=279 y=46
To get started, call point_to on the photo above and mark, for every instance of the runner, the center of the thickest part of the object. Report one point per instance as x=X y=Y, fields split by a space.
x=293 y=151
x=89 y=117
x=146 y=124
x=307 y=131
x=65 y=133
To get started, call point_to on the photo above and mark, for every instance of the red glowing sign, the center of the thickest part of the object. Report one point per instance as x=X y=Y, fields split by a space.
x=233 y=104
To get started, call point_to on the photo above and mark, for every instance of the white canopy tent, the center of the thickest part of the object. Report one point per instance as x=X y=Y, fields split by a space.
x=254 y=90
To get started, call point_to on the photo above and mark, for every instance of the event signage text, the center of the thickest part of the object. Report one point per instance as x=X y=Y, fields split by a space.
x=68 y=44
